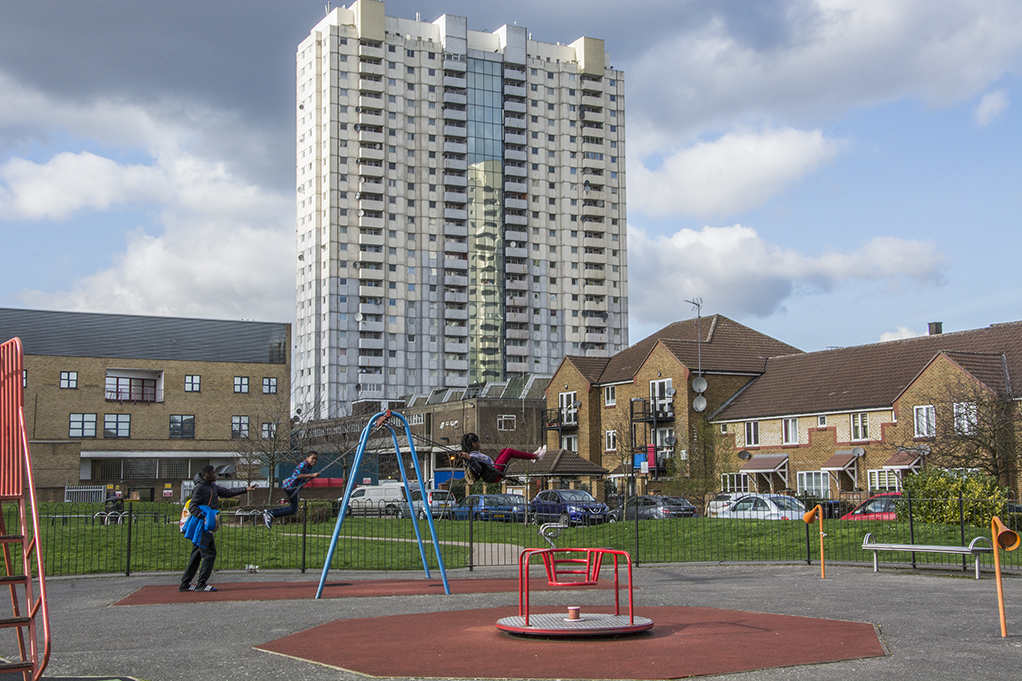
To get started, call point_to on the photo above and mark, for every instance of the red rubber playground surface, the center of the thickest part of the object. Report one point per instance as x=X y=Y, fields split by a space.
x=683 y=642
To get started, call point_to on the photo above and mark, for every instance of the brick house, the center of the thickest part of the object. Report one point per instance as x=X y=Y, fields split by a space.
x=138 y=403
x=635 y=411
x=856 y=420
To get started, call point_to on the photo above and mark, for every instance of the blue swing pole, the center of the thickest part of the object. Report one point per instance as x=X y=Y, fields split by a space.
x=348 y=487
x=425 y=499
x=381 y=419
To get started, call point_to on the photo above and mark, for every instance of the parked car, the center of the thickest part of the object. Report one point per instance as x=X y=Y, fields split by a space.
x=764 y=507
x=654 y=508
x=506 y=507
x=720 y=502
x=440 y=502
x=568 y=507
x=877 y=507
x=376 y=500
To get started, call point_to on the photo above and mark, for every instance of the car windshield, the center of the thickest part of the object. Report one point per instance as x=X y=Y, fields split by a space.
x=576 y=495
x=788 y=504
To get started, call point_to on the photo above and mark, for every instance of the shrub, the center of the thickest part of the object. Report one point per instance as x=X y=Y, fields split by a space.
x=935 y=494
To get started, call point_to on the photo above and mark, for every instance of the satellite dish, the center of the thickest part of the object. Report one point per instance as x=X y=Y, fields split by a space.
x=301 y=107
x=699 y=403
x=744 y=455
x=699 y=384
x=604 y=315
x=671 y=441
x=513 y=244
x=671 y=392
x=576 y=404
x=858 y=451
x=359 y=317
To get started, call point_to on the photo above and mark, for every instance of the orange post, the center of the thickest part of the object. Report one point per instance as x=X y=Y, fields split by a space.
x=1006 y=539
x=810 y=517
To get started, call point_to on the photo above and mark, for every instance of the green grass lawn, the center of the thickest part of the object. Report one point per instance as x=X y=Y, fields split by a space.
x=79 y=545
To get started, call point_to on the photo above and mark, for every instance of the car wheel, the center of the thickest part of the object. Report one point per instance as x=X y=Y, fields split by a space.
x=611 y=519
x=476 y=516
x=399 y=514
x=565 y=519
x=392 y=510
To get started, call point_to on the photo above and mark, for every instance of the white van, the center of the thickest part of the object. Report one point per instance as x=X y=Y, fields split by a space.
x=378 y=500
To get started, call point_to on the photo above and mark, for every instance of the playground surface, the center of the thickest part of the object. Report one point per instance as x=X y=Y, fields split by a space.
x=764 y=622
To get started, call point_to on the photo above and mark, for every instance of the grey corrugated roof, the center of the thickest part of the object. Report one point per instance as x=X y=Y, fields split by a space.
x=91 y=334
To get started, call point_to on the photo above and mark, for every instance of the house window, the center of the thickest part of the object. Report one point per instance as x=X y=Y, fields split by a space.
x=751 y=433
x=569 y=411
x=239 y=427
x=965 y=418
x=790 y=431
x=814 y=483
x=117 y=425
x=192 y=383
x=860 y=426
x=925 y=421
x=611 y=440
x=132 y=389
x=821 y=421
x=241 y=384
x=269 y=431
x=69 y=380
x=661 y=396
x=734 y=482
x=610 y=396
x=82 y=425
x=182 y=426
x=881 y=480
x=507 y=422
x=269 y=386
x=570 y=442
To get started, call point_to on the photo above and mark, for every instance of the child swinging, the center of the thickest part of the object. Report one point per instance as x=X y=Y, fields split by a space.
x=478 y=466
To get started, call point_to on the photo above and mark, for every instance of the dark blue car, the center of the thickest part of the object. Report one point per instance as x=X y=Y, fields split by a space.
x=568 y=507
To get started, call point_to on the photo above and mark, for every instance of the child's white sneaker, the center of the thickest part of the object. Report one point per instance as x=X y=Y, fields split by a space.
x=540 y=453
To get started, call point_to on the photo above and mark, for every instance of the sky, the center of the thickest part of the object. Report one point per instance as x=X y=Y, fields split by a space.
x=828 y=172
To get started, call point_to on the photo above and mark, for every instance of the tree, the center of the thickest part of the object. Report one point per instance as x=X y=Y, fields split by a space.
x=969 y=427
x=273 y=438
x=707 y=457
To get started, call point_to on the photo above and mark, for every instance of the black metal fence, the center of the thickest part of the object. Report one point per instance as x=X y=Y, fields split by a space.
x=143 y=537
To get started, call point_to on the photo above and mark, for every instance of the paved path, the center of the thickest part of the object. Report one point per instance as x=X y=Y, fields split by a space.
x=937 y=625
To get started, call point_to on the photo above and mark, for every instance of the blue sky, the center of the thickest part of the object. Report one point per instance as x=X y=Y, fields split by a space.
x=830 y=172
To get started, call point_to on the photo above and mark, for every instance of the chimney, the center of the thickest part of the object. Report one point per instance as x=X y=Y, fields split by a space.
x=936 y=328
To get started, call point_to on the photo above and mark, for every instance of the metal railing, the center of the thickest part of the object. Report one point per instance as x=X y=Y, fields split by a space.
x=144 y=537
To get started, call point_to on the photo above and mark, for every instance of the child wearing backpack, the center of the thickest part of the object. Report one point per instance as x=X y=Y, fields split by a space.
x=293 y=487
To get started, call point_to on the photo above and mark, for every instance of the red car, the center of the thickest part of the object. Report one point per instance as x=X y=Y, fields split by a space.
x=878 y=507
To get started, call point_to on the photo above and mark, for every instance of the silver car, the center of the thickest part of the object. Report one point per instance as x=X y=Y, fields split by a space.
x=440 y=501
x=764 y=507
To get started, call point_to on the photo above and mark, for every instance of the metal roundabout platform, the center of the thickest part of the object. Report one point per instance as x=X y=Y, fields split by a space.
x=573 y=568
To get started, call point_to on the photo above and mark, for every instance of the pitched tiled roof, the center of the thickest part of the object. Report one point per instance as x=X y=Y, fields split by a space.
x=589 y=367
x=871 y=376
x=987 y=368
x=556 y=462
x=726 y=345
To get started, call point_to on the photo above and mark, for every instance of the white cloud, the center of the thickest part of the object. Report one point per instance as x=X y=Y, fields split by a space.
x=990 y=107
x=901 y=333
x=68 y=183
x=734 y=173
x=217 y=245
x=745 y=275
x=831 y=56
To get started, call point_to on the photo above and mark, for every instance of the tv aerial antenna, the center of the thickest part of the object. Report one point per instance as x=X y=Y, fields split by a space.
x=699 y=384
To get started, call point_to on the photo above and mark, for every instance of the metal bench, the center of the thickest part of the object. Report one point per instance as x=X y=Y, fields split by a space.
x=971 y=550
